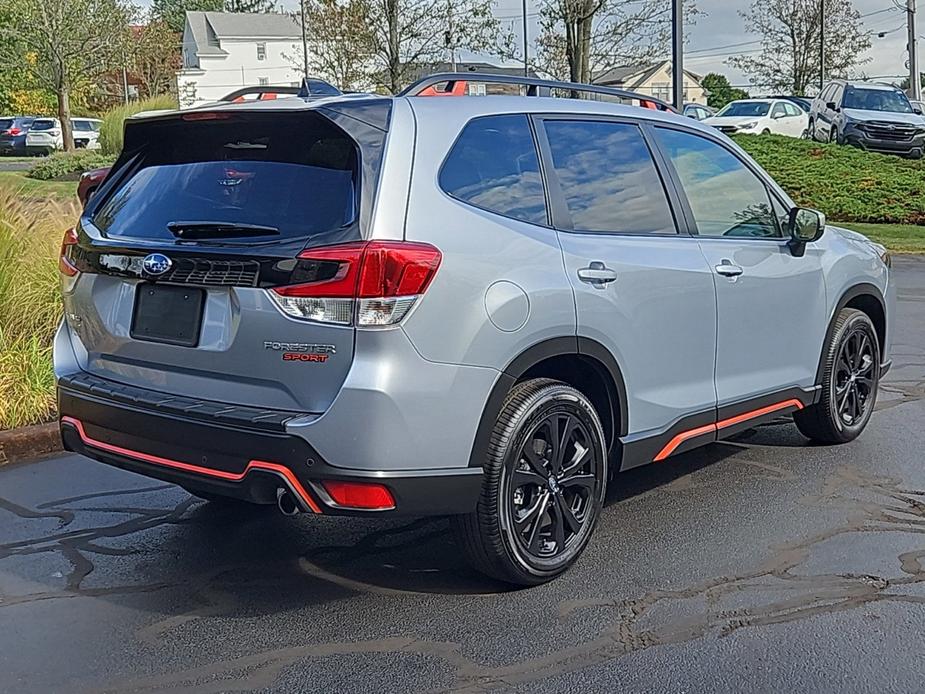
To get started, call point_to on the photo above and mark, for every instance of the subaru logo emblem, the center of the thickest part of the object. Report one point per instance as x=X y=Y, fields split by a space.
x=156 y=264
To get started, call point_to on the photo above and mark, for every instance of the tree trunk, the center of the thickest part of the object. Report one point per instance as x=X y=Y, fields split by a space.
x=394 y=47
x=64 y=115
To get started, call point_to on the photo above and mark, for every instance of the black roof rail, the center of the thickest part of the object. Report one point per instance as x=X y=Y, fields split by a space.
x=534 y=86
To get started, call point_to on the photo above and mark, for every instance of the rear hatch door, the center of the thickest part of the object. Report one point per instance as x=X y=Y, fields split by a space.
x=203 y=214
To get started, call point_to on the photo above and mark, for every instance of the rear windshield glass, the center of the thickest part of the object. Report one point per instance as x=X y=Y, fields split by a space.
x=876 y=100
x=43 y=125
x=85 y=125
x=6 y=123
x=745 y=108
x=294 y=174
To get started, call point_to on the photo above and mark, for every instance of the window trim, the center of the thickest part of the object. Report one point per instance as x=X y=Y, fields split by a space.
x=561 y=216
x=536 y=147
x=781 y=240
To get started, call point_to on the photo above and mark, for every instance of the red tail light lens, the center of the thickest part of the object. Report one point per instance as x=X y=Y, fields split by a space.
x=13 y=131
x=65 y=265
x=364 y=495
x=378 y=281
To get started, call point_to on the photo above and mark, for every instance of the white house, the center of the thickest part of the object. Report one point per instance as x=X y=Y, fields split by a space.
x=224 y=51
x=653 y=79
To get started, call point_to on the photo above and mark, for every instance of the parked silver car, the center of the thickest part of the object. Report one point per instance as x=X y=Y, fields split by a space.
x=478 y=307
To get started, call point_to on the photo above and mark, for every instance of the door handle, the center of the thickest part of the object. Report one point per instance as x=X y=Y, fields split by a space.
x=728 y=269
x=597 y=273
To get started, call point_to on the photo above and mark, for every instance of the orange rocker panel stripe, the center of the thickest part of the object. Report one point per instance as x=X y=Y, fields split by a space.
x=187 y=467
x=708 y=428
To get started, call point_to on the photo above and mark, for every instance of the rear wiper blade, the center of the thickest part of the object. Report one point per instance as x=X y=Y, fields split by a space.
x=214 y=230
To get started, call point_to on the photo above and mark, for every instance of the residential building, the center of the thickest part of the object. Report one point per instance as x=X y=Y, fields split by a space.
x=653 y=79
x=224 y=51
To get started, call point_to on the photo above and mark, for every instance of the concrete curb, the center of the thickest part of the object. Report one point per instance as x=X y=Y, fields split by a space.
x=29 y=442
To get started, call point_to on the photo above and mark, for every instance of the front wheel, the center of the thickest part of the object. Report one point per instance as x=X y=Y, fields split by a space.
x=545 y=477
x=849 y=382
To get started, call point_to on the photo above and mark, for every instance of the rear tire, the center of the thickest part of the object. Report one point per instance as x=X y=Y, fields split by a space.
x=540 y=499
x=849 y=382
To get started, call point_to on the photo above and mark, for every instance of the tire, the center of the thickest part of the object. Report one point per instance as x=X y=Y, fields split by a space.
x=530 y=533
x=849 y=382
x=833 y=136
x=765 y=132
x=811 y=131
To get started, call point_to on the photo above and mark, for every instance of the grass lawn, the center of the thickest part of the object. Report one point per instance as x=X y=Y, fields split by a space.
x=33 y=188
x=899 y=238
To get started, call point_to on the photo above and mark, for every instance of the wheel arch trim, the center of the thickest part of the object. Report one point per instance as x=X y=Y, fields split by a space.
x=530 y=357
x=849 y=294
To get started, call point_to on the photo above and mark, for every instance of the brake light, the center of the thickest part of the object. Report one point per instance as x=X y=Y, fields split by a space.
x=365 y=495
x=208 y=115
x=371 y=282
x=65 y=265
x=13 y=131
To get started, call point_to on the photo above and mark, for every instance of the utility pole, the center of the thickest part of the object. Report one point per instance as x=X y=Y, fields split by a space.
x=124 y=79
x=677 y=53
x=915 y=84
x=821 y=45
x=526 y=61
x=450 y=35
x=304 y=39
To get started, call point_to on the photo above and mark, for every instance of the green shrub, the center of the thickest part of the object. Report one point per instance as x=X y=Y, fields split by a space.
x=846 y=183
x=114 y=120
x=30 y=305
x=68 y=164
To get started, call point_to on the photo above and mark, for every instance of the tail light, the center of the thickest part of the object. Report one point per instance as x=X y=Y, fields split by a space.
x=371 y=282
x=65 y=265
x=13 y=131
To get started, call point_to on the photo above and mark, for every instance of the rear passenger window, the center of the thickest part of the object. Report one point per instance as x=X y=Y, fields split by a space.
x=494 y=165
x=608 y=177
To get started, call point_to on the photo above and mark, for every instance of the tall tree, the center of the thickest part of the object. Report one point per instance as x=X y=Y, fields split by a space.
x=173 y=12
x=155 y=57
x=790 y=38
x=410 y=34
x=581 y=39
x=720 y=91
x=342 y=46
x=63 y=45
x=250 y=6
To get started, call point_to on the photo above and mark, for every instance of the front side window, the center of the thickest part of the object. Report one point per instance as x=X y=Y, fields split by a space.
x=725 y=196
x=608 y=177
x=494 y=165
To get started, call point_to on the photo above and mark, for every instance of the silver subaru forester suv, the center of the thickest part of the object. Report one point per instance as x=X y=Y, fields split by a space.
x=475 y=307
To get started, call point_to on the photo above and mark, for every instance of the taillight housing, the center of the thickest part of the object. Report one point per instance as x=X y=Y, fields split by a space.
x=13 y=131
x=369 y=496
x=367 y=283
x=65 y=265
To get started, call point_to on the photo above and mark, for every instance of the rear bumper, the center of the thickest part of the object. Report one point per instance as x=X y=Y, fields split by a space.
x=249 y=461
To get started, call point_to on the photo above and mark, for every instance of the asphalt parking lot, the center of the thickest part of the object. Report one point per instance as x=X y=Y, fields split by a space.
x=761 y=564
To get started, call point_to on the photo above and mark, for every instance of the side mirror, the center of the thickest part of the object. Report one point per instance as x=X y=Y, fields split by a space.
x=917 y=111
x=775 y=116
x=805 y=226
x=831 y=105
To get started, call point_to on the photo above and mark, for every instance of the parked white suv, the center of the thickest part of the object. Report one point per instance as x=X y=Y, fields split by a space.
x=46 y=135
x=761 y=117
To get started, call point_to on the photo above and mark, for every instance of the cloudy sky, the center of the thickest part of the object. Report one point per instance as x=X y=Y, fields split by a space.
x=720 y=32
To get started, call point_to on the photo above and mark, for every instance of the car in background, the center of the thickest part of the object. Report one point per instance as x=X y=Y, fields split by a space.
x=760 y=117
x=877 y=117
x=13 y=132
x=698 y=111
x=86 y=132
x=44 y=137
x=804 y=102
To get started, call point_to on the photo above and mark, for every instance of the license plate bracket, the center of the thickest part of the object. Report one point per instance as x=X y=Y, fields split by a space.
x=168 y=314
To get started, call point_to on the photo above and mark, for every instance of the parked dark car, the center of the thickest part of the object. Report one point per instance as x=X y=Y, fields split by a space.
x=877 y=117
x=698 y=111
x=13 y=134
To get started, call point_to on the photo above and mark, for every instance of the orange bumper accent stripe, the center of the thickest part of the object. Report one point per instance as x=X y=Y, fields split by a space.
x=731 y=421
x=196 y=469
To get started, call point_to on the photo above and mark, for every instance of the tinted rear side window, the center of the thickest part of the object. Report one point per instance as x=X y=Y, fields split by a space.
x=6 y=123
x=608 y=177
x=295 y=172
x=494 y=165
